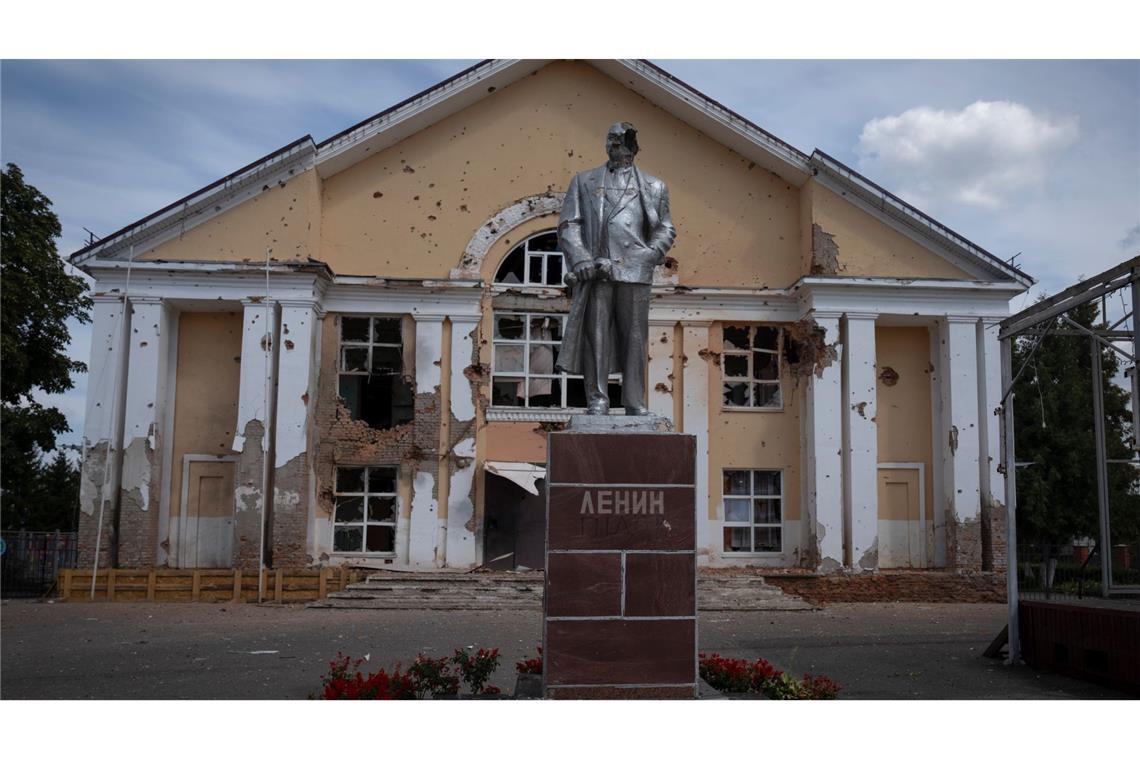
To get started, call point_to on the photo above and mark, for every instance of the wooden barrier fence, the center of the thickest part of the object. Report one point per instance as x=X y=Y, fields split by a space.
x=141 y=585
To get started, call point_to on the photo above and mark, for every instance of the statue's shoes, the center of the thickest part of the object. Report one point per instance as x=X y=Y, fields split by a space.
x=602 y=408
x=637 y=411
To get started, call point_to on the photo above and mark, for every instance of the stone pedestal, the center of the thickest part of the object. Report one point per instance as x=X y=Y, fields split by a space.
x=620 y=608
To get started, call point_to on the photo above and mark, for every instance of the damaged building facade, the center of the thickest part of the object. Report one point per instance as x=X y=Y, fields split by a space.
x=344 y=352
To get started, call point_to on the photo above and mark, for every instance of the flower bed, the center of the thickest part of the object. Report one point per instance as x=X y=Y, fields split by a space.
x=426 y=678
x=736 y=676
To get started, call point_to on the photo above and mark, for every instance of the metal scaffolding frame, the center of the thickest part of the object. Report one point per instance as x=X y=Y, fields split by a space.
x=1037 y=322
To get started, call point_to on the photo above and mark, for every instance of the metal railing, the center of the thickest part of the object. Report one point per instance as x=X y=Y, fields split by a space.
x=1073 y=571
x=31 y=561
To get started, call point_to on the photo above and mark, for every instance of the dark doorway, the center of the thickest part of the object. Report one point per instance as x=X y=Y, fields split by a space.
x=515 y=525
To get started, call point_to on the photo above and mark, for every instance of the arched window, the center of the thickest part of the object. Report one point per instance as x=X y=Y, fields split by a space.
x=528 y=336
x=535 y=261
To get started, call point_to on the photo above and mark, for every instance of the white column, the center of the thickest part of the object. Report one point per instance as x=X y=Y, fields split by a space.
x=862 y=449
x=143 y=427
x=251 y=432
x=963 y=436
x=297 y=368
x=294 y=435
x=102 y=422
x=427 y=531
x=989 y=398
x=462 y=535
x=660 y=377
x=992 y=484
x=257 y=336
x=939 y=423
x=695 y=419
x=824 y=442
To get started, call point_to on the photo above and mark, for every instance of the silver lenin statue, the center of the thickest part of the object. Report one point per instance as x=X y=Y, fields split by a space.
x=614 y=228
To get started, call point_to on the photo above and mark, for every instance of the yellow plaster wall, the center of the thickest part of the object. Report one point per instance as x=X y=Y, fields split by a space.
x=752 y=439
x=736 y=225
x=515 y=442
x=282 y=219
x=206 y=390
x=870 y=248
x=903 y=411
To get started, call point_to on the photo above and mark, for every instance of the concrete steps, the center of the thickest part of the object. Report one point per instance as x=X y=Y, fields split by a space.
x=440 y=591
x=523 y=591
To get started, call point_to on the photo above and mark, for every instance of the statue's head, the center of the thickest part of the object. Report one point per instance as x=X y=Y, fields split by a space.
x=621 y=142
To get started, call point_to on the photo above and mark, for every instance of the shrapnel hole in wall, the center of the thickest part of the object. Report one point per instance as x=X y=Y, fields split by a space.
x=372 y=384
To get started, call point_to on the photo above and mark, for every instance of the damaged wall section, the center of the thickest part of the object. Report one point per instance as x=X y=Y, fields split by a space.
x=343 y=441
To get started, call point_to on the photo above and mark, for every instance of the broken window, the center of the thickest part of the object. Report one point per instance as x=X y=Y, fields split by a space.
x=750 y=362
x=372 y=381
x=524 y=352
x=534 y=261
x=365 y=511
x=753 y=511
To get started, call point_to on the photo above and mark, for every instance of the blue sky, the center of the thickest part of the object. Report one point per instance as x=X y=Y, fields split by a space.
x=1041 y=157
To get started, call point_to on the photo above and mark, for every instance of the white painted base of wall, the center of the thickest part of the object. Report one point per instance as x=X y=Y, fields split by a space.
x=902 y=544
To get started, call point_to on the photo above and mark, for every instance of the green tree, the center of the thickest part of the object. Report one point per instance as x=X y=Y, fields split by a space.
x=1053 y=415
x=37 y=298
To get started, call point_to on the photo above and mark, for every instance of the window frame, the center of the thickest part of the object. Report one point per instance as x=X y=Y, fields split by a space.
x=752 y=525
x=370 y=344
x=527 y=255
x=525 y=376
x=364 y=522
x=748 y=379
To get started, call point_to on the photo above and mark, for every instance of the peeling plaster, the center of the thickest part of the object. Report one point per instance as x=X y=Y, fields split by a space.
x=424 y=520
x=709 y=356
x=806 y=350
x=870 y=558
x=249 y=473
x=138 y=464
x=460 y=548
x=824 y=252
x=829 y=565
x=94 y=471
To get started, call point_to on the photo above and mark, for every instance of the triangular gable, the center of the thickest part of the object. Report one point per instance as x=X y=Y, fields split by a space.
x=389 y=127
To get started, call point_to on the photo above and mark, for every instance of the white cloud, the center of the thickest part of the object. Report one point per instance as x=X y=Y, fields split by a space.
x=982 y=155
x=1131 y=240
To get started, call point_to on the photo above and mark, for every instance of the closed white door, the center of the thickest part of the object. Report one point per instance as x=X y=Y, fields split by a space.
x=902 y=525
x=206 y=535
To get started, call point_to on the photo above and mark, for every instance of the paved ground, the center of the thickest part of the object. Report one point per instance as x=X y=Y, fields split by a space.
x=225 y=651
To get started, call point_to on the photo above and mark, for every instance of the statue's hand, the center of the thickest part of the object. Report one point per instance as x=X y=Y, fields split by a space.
x=585 y=271
x=604 y=268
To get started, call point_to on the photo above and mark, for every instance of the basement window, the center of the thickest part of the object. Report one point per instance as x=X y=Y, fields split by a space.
x=753 y=511
x=524 y=351
x=372 y=380
x=750 y=364
x=366 y=509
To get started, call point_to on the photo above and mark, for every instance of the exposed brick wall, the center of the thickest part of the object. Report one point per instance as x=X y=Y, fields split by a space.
x=342 y=441
x=997 y=556
x=290 y=529
x=137 y=532
x=893 y=586
x=964 y=544
x=87 y=539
